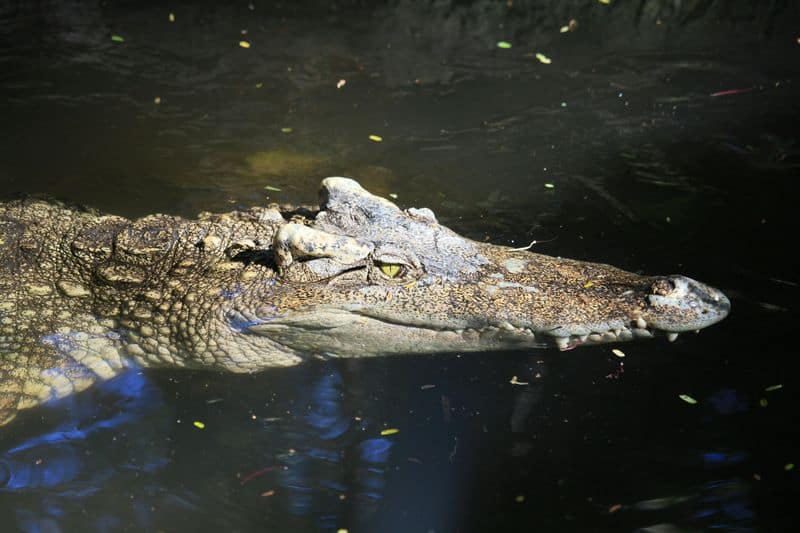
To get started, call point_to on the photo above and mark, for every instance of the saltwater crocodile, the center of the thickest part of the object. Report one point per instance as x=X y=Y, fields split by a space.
x=86 y=295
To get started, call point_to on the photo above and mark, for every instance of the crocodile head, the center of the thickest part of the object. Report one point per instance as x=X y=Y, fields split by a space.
x=364 y=277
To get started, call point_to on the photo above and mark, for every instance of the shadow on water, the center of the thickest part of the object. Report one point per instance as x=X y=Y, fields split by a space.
x=660 y=138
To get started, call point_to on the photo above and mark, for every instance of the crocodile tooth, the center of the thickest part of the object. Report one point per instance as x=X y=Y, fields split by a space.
x=507 y=326
x=583 y=338
x=641 y=323
x=671 y=336
x=562 y=342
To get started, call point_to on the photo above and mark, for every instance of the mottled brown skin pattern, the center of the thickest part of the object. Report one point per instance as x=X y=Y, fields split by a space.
x=85 y=296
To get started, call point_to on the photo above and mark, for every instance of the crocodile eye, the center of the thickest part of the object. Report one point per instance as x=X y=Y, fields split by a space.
x=391 y=270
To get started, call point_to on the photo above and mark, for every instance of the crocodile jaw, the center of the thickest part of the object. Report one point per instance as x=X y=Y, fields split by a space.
x=672 y=304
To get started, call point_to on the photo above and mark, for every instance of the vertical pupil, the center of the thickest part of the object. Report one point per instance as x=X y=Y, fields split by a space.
x=390 y=269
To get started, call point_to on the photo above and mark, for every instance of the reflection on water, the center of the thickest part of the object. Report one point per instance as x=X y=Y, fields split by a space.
x=661 y=138
x=313 y=456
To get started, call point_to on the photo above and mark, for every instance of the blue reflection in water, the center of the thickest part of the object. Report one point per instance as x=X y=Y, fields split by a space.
x=329 y=460
x=73 y=460
x=728 y=401
x=57 y=457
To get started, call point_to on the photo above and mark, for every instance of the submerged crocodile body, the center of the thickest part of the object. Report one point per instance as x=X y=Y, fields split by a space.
x=84 y=296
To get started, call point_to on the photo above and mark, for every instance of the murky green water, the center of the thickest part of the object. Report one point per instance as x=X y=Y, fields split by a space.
x=661 y=147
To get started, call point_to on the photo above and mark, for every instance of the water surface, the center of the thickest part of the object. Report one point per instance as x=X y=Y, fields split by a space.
x=659 y=139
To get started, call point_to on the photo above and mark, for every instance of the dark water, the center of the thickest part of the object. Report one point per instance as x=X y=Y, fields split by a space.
x=669 y=133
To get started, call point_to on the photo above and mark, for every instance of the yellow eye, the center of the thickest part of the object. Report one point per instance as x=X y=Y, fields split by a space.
x=391 y=270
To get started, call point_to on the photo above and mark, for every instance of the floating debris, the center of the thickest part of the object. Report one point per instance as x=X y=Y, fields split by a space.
x=549 y=186
x=516 y=381
x=340 y=83
x=618 y=352
x=604 y=2
x=389 y=431
x=763 y=402
x=268 y=493
x=376 y=138
x=259 y=85
x=244 y=44
x=572 y=25
x=504 y=45
x=688 y=399
x=773 y=387
x=614 y=508
x=171 y=17
x=287 y=130
x=427 y=386
x=157 y=100
x=543 y=58
x=788 y=466
x=393 y=196
x=520 y=498
x=730 y=92
x=117 y=39
x=271 y=188
x=198 y=424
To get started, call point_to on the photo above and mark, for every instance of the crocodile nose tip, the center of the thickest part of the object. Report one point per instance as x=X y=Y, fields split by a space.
x=713 y=298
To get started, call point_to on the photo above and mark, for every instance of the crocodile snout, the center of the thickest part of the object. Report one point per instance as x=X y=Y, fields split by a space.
x=677 y=303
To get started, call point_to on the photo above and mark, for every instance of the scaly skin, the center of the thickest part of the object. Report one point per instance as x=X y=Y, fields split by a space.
x=85 y=295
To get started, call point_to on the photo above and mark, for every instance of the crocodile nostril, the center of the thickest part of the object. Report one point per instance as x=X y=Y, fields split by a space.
x=663 y=287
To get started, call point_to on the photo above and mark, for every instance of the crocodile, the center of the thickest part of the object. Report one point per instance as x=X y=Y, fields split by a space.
x=86 y=295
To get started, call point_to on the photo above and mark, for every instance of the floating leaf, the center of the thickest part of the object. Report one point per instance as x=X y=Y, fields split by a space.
x=157 y=100
x=549 y=186
x=389 y=431
x=393 y=195
x=117 y=39
x=171 y=17
x=375 y=138
x=543 y=58
x=763 y=402
x=198 y=424
x=287 y=130
x=503 y=44
x=688 y=399
x=604 y=2
x=773 y=387
x=244 y=44
x=520 y=498
x=588 y=285
x=788 y=466
x=516 y=381
x=273 y=189
x=618 y=353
